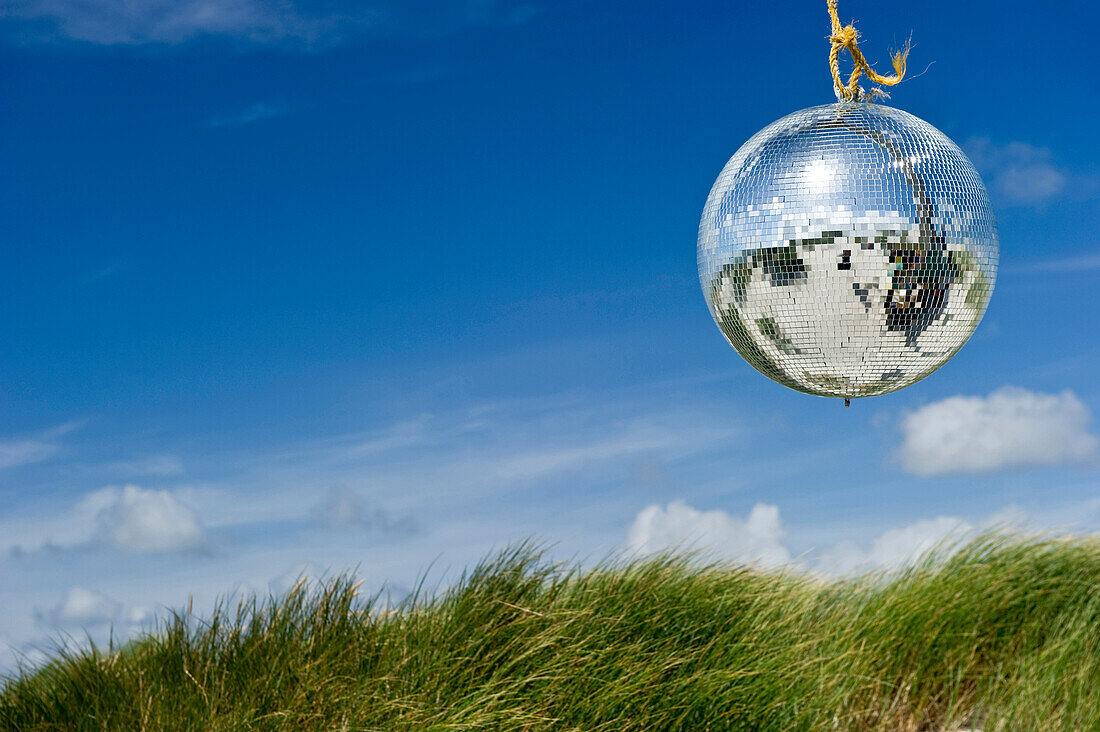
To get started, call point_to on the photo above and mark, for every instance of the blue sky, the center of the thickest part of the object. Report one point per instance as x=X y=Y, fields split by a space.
x=298 y=286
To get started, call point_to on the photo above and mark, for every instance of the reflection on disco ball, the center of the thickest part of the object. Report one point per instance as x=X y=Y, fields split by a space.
x=848 y=250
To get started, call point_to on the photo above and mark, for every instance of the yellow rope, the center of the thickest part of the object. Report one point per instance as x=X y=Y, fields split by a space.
x=847 y=37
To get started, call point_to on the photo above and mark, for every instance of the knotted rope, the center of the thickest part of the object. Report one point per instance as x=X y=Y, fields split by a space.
x=847 y=37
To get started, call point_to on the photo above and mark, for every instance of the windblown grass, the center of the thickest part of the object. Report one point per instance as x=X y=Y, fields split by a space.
x=1002 y=634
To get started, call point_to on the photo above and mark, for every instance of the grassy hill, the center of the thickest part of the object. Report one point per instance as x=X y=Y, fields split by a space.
x=1003 y=634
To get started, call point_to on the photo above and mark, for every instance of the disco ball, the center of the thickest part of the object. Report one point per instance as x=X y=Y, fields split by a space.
x=848 y=250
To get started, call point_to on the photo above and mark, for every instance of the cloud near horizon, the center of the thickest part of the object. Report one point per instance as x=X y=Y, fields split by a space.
x=84 y=608
x=893 y=548
x=756 y=538
x=1010 y=427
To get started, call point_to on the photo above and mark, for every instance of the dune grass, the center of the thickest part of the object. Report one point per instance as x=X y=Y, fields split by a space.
x=1001 y=634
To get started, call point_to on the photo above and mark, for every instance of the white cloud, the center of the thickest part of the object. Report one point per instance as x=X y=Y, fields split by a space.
x=759 y=538
x=134 y=519
x=1010 y=427
x=756 y=538
x=898 y=547
x=1022 y=173
x=893 y=548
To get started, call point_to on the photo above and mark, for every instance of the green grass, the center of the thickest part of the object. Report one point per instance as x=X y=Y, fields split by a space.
x=1002 y=634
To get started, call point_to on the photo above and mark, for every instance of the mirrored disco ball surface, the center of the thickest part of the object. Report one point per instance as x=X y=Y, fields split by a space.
x=848 y=250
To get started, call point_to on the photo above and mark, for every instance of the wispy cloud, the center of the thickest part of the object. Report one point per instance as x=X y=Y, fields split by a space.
x=34 y=448
x=1082 y=263
x=1009 y=427
x=300 y=23
x=343 y=508
x=391 y=477
x=161 y=465
x=118 y=22
x=490 y=449
x=1019 y=172
x=22 y=452
x=104 y=272
x=634 y=439
x=250 y=115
